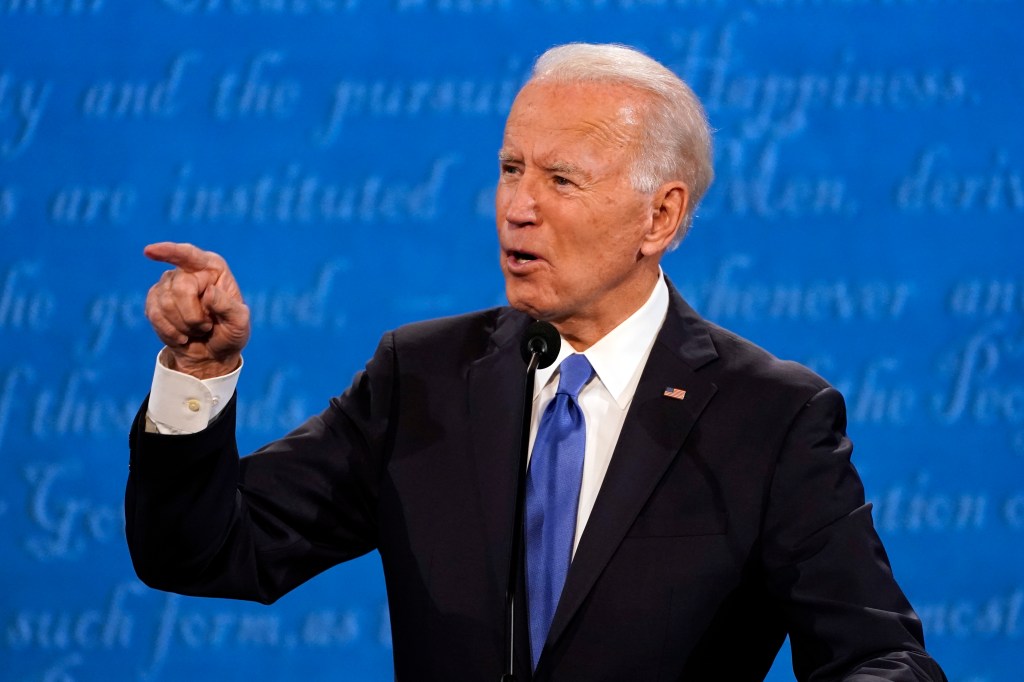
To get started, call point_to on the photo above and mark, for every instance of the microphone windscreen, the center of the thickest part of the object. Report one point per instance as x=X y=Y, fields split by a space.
x=541 y=338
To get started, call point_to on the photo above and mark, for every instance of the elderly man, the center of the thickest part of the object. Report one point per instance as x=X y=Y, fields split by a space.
x=690 y=499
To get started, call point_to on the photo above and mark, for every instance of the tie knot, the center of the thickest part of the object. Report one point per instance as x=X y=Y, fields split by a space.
x=574 y=372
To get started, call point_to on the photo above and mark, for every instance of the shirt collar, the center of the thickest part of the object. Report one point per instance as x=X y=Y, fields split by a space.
x=617 y=355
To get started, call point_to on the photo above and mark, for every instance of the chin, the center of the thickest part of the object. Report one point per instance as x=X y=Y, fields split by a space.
x=524 y=307
x=526 y=304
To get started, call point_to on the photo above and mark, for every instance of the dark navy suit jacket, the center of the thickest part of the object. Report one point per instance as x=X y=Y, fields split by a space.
x=726 y=521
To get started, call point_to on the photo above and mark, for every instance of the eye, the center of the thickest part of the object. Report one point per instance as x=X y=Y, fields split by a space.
x=563 y=181
x=509 y=169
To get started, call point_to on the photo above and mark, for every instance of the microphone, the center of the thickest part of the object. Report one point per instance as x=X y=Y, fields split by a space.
x=540 y=346
x=541 y=339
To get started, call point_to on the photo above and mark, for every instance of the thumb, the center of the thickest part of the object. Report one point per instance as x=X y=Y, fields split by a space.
x=219 y=303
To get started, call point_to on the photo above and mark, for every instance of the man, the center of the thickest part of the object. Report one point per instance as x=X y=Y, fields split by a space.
x=712 y=505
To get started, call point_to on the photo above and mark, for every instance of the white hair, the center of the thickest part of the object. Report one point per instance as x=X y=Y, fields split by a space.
x=675 y=140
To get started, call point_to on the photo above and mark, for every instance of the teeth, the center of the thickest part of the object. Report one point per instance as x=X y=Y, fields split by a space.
x=520 y=260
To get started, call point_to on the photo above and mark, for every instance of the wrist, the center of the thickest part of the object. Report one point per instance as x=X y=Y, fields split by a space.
x=207 y=368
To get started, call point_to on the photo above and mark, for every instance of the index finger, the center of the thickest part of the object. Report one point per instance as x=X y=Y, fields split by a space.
x=185 y=256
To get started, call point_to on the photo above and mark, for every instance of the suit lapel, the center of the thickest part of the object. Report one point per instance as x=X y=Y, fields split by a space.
x=496 y=384
x=653 y=433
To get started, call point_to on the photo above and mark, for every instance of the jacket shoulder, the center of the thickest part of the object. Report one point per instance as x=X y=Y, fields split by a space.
x=743 y=361
x=462 y=337
x=728 y=359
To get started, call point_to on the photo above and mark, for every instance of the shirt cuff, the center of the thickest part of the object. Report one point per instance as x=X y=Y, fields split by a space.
x=181 y=404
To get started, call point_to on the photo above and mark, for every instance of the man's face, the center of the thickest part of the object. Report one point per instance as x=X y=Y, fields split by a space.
x=570 y=224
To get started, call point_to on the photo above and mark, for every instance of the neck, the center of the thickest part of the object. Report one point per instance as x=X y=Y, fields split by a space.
x=583 y=331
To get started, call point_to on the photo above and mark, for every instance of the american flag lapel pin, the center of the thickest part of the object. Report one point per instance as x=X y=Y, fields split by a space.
x=675 y=393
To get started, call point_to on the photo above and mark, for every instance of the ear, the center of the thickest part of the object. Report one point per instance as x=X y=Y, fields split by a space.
x=667 y=210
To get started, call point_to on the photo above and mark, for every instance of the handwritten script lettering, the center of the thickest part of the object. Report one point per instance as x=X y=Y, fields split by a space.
x=115 y=100
x=731 y=294
x=66 y=524
x=22 y=103
x=295 y=195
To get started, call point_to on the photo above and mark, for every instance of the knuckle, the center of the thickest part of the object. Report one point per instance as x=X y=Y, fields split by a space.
x=166 y=300
x=184 y=284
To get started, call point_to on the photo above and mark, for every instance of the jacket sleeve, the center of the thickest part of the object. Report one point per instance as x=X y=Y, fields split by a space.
x=202 y=521
x=847 y=618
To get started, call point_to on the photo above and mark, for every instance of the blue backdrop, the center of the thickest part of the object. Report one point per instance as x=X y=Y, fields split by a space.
x=866 y=220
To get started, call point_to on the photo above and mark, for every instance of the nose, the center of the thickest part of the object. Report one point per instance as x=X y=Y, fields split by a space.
x=520 y=203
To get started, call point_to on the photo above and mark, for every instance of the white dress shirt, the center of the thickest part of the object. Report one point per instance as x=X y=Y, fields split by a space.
x=181 y=404
x=618 y=360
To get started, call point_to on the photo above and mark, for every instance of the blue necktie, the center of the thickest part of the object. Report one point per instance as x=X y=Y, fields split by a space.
x=552 y=495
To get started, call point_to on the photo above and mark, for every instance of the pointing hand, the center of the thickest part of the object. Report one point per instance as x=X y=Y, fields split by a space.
x=197 y=311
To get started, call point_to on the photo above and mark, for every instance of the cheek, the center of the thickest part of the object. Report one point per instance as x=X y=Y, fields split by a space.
x=627 y=235
x=611 y=241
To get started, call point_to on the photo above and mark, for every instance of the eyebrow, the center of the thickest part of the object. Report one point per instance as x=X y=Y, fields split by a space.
x=562 y=167
x=565 y=167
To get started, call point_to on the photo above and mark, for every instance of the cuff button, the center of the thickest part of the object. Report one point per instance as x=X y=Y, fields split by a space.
x=193 y=404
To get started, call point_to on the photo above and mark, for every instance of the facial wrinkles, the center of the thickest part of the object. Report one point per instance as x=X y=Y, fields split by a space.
x=586 y=280
x=604 y=139
x=606 y=135
x=616 y=132
x=547 y=133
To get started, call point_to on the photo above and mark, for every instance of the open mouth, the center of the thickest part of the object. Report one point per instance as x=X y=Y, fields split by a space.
x=521 y=257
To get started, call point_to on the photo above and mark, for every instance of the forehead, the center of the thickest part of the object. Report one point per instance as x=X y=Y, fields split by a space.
x=553 y=118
